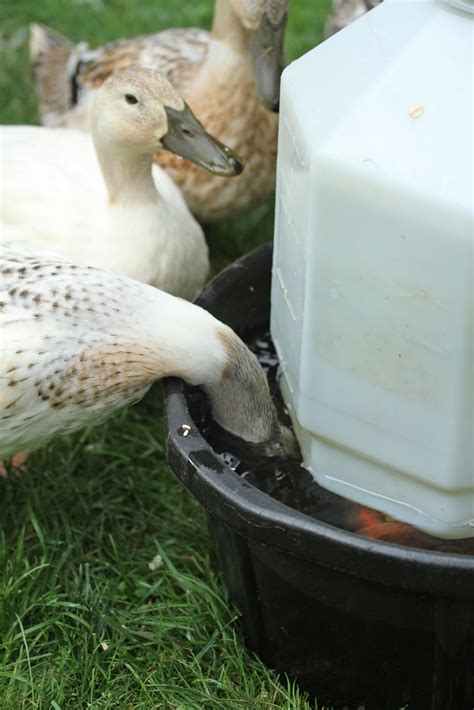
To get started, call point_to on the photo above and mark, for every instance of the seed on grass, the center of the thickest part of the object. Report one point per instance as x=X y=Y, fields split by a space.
x=104 y=645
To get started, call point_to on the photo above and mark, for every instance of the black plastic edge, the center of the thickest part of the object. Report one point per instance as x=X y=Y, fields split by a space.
x=260 y=518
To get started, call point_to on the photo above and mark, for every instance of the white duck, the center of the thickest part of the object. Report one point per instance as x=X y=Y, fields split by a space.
x=77 y=343
x=96 y=200
x=228 y=76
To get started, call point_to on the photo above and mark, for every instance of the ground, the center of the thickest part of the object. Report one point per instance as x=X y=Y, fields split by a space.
x=107 y=596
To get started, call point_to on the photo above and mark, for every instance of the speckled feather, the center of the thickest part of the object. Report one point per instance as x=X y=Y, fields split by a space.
x=176 y=53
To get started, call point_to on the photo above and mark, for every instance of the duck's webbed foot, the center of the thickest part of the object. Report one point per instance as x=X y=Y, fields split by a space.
x=15 y=464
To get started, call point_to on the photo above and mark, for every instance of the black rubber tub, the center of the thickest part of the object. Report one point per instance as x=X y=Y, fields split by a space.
x=358 y=622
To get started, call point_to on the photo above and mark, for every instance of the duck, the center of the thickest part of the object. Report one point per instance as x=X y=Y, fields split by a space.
x=78 y=343
x=229 y=77
x=343 y=12
x=95 y=198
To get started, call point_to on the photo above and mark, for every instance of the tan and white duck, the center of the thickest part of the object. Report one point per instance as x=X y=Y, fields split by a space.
x=96 y=199
x=224 y=75
x=78 y=343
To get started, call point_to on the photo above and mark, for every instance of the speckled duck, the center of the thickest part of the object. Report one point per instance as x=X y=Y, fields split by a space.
x=77 y=343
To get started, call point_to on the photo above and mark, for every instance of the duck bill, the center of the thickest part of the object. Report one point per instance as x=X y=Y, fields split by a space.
x=188 y=138
x=268 y=60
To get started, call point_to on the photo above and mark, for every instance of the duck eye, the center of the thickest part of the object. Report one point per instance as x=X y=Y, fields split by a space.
x=131 y=99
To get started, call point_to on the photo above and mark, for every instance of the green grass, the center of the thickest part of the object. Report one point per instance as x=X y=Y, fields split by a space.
x=84 y=621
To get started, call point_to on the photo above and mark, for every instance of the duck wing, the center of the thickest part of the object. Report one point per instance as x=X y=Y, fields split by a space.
x=175 y=53
x=70 y=346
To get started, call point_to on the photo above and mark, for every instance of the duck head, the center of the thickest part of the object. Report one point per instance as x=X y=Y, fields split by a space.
x=139 y=111
x=241 y=402
x=266 y=22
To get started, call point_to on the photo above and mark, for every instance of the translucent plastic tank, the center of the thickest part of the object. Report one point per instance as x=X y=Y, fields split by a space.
x=372 y=296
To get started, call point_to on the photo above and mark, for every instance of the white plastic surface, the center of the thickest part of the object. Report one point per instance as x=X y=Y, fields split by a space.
x=372 y=296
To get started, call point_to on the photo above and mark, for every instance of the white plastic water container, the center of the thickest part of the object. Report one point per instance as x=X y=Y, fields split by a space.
x=372 y=295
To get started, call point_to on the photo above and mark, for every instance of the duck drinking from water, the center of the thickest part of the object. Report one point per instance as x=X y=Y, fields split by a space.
x=77 y=343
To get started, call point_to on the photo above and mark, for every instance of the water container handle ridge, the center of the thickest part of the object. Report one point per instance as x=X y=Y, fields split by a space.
x=467 y=5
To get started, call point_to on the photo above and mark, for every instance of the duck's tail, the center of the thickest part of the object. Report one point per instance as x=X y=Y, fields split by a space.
x=55 y=61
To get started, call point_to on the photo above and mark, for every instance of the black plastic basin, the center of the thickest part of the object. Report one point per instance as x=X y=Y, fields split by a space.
x=358 y=622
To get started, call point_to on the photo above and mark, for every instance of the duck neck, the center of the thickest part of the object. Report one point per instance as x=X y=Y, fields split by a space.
x=240 y=399
x=227 y=28
x=188 y=342
x=127 y=175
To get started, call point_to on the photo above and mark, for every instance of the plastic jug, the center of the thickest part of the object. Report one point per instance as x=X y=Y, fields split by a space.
x=372 y=287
